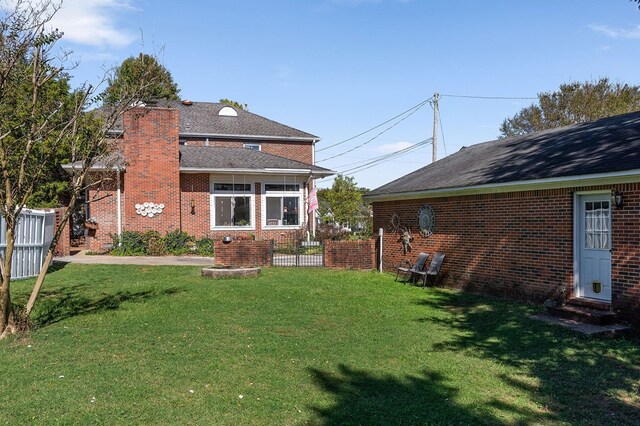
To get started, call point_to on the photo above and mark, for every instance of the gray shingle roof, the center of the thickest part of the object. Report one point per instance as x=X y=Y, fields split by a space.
x=211 y=159
x=603 y=146
x=216 y=158
x=202 y=119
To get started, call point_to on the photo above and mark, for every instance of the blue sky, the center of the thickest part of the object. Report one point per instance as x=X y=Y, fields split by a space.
x=336 y=68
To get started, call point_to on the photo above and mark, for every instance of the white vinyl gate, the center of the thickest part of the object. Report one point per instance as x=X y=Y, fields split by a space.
x=34 y=233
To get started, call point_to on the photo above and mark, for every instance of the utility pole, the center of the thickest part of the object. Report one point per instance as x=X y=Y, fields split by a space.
x=436 y=97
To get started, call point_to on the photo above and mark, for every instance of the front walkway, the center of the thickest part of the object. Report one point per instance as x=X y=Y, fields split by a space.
x=136 y=260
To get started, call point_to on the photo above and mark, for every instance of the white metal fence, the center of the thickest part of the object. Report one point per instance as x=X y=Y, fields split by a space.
x=34 y=233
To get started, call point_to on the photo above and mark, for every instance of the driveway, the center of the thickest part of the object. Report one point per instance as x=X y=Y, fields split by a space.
x=136 y=260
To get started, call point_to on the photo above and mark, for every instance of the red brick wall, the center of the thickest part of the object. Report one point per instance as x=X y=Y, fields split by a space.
x=196 y=221
x=153 y=169
x=103 y=207
x=299 y=151
x=350 y=254
x=242 y=253
x=63 y=246
x=625 y=254
x=517 y=244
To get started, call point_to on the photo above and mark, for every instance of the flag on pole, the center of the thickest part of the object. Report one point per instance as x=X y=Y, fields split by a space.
x=313 y=200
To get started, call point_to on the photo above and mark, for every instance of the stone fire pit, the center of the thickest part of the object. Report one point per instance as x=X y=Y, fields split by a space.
x=230 y=271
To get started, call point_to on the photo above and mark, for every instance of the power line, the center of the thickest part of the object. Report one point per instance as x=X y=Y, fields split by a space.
x=420 y=105
x=491 y=97
x=372 y=162
x=378 y=160
x=376 y=136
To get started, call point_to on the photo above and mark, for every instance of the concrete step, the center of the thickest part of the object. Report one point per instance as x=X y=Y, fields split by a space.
x=614 y=330
x=584 y=314
x=589 y=303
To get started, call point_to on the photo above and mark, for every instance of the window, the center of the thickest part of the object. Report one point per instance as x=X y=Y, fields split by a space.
x=283 y=204
x=254 y=146
x=597 y=216
x=231 y=205
x=281 y=187
x=237 y=187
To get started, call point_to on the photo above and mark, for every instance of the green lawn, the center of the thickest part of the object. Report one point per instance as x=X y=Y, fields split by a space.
x=161 y=345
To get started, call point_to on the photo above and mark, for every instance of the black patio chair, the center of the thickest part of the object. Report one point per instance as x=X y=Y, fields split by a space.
x=434 y=268
x=413 y=271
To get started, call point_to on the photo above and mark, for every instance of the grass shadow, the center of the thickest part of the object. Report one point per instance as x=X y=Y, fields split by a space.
x=62 y=303
x=56 y=266
x=363 y=398
x=580 y=379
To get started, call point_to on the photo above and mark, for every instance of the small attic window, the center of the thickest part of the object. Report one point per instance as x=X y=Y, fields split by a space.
x=254 y=146
x=227 y=111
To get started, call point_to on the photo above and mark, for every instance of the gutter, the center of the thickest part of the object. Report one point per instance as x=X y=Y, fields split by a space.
x=260 y=137
x=612 y=178
x=307 y=172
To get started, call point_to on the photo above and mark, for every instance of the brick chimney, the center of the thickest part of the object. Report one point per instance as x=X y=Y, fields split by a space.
x=151 y=152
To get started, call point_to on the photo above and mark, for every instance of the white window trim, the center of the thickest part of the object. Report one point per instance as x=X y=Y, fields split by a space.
x=249 y=145
x=212 y=204
x=280 y=194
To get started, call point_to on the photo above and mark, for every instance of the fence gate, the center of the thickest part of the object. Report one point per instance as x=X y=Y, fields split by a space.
x=34 y=233
x=292 y=250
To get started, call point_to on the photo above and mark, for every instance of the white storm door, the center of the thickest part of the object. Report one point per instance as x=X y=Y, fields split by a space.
x=594 y=246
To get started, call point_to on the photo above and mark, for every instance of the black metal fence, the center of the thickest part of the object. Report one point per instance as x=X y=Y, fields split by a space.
x=292 y=250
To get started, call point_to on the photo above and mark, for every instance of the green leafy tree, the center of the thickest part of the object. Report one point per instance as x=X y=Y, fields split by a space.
x=342 y=203
x=43 y=121
x=234 y=104
x=573 y=103
x=130 y=73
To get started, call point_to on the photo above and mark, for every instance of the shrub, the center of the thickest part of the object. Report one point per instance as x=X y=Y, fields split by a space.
x=151 y=243
x=327 y=231
x=176 y=242
x=130 y=243
x=156 y=246
x=204 y=246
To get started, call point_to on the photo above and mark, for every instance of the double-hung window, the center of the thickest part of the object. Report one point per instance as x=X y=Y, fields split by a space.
x=283 y=204
x=231 y=205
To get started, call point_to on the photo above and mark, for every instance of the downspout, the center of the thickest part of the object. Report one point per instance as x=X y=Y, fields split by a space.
x=313 y=213
x=119 y=201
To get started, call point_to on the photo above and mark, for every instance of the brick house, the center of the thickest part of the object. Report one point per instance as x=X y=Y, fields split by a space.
x=524 y=216
x=207 y=169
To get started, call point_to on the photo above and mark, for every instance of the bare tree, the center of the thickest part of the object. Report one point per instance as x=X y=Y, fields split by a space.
x=35 y=123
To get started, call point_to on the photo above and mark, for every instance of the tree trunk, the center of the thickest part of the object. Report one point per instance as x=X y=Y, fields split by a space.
x=38 y=285
x=43 y=272
x=6 y=309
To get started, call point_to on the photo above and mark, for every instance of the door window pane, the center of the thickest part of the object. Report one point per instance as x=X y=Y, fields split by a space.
x=597 y=216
